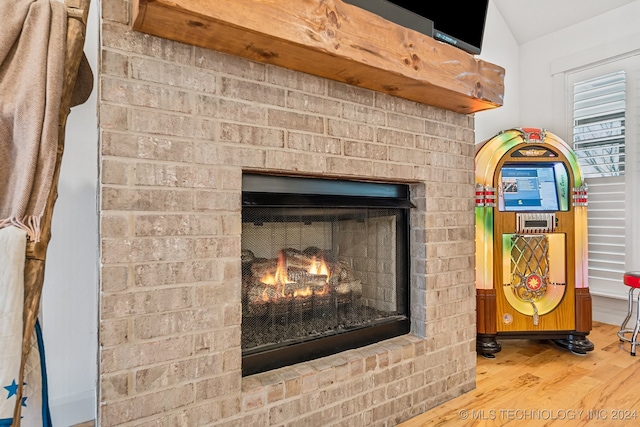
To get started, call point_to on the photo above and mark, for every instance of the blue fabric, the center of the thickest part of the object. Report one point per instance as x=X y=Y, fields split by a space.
x=46 y=413
x=32 y=415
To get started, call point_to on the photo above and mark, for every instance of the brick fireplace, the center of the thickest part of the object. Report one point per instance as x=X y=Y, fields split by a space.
x=179 y=127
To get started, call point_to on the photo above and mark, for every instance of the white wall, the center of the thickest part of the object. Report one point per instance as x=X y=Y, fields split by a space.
x=595 y=38
x=69 y=300
x=500 y=47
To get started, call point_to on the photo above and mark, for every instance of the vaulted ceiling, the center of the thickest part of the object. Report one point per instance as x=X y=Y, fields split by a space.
x=530 y=19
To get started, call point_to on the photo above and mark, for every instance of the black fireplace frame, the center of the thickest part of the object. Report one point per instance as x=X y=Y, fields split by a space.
x=278 y=192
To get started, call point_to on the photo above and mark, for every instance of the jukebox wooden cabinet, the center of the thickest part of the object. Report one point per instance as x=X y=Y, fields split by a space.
x=531 y=242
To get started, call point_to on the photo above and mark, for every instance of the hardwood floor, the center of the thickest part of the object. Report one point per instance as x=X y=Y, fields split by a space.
x=535 y=383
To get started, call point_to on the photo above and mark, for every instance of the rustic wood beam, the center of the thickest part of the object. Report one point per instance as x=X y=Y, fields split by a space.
x=331 y=39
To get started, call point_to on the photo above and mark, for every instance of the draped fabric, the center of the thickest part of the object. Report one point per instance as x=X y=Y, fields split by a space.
x=33 y=36
x=12 y=260
x=34 y=401
x=32 y=53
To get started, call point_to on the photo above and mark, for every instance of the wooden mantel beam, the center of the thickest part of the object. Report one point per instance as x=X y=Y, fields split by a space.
x=331 y=39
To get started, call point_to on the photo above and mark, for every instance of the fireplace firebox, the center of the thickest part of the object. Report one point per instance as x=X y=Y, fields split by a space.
x=325 y=267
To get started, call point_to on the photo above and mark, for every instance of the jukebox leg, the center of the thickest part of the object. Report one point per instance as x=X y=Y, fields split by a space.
x=487 y=346
x=576 y=343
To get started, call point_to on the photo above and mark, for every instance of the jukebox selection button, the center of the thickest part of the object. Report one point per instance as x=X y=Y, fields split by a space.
x=533 y=282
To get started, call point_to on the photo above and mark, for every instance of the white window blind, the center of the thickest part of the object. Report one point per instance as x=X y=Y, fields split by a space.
x=599 y=124
x=607 y=233
x=599 y=108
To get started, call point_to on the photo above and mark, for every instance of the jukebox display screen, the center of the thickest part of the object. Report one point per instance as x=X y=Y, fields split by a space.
x=530 y=187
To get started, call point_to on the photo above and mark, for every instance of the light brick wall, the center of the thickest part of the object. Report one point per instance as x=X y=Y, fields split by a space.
x=374 y=258
x=178 y=125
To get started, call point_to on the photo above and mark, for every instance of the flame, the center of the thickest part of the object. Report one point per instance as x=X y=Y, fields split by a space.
x=265 y=296
x=275 y=284
x=319 y=268
x=303 y=293
x=269 y=279
x=279 y=280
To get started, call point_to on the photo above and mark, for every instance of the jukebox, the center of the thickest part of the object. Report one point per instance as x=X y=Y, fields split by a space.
x=531 y=242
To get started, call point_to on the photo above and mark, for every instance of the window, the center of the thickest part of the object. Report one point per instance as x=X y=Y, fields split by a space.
x=603 y=103
x=598 y=124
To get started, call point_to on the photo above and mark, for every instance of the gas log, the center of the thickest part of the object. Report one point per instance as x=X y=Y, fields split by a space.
x=297 y=275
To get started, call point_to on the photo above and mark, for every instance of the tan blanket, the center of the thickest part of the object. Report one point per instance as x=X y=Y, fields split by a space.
x=32 y=50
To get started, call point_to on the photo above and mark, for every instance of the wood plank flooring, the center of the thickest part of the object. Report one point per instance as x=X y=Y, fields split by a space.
x=535 y=383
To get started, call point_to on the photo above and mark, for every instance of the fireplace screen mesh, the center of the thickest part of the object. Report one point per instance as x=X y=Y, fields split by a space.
x=315 y=272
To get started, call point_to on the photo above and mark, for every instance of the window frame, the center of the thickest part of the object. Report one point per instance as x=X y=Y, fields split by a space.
x=582 y=66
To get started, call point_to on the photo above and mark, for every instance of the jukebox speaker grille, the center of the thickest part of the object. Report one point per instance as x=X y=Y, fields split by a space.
x=529 y=269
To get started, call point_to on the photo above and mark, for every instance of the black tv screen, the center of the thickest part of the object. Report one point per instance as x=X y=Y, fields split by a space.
x=406 y=15
x=459 y=23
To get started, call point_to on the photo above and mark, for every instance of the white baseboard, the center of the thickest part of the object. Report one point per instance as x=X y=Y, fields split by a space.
x=72 y=410
x=609 y=310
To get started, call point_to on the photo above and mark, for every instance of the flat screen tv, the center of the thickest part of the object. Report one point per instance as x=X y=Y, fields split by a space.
x=531 y=187
x=459 y=23
x=407 y=15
